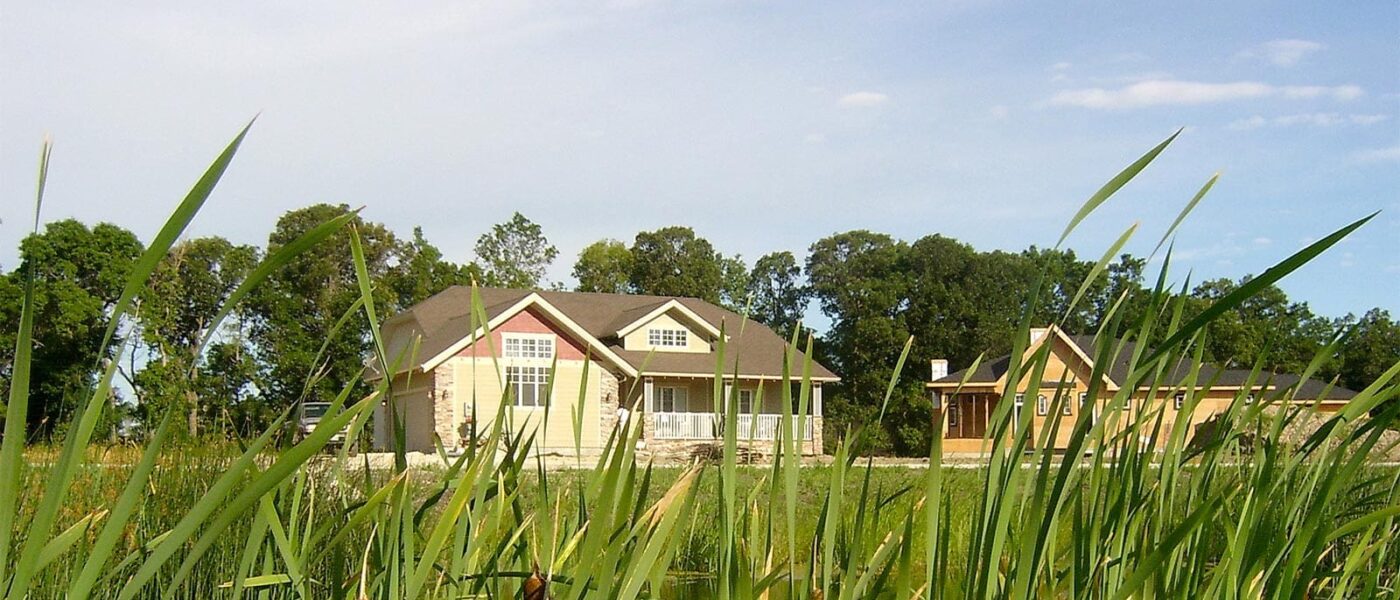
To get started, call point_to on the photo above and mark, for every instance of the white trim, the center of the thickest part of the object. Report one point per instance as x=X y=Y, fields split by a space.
x=533 y=299
x=660 y=310
x=730 y=377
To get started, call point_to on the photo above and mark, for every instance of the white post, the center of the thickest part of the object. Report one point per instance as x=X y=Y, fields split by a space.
x=724 y=400
x=817 y=399
x=649 y=395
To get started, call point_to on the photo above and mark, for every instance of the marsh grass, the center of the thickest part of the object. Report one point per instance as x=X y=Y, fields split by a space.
x=1243 y=514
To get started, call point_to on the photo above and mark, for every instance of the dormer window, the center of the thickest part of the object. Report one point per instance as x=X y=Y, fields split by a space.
x=668 y=338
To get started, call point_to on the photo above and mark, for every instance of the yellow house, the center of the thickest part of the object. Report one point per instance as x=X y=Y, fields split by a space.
x=649 y=357
x=968 y=407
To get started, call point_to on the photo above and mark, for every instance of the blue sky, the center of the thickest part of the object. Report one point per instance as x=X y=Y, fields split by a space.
x=763 y=125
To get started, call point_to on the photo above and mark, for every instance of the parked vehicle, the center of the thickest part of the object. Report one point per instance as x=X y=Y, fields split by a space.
x=310 y=416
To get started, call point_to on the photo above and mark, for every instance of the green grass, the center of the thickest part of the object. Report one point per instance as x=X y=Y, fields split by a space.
x=1242 y=515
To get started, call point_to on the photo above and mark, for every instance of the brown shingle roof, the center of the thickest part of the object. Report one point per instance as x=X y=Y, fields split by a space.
x=444 y=319
x=992 y=370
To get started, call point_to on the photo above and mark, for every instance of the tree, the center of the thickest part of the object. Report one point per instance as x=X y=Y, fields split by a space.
x=858 y=279
x=293 y=311
x=515 y=254
x=79 y=275
x=1371 y=349
x=673 y=261
x=604 y=266
x=183 y=295
x=422 y=272
x=734 y=283
x=778 y=294
x=1266 y=327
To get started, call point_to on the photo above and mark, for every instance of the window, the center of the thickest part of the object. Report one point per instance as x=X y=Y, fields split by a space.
x=1128 y=406
x=746 y=402
x=670 y=399
x=1016 y=411
x=1249 y=399
x=668 y=338
x=952 y=414
x=528 y=346
x=529 y=385
x=1179 y=400
x=1066 y=409
x=1042 y=405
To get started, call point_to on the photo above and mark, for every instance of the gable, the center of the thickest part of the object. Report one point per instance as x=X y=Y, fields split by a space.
x=1066 y=362
x=640 y=336
x=529 y=321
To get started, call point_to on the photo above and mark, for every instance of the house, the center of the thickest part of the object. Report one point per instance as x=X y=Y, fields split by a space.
x=655 y=355
x=968 y=407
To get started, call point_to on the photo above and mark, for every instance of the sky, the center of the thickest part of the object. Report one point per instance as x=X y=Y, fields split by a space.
x=763 y=125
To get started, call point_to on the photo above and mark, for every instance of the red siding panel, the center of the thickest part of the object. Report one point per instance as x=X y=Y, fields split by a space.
x=530 y=321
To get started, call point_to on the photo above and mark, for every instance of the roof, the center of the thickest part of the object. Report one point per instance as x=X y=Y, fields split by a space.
x=991 y=371
x=444 y=321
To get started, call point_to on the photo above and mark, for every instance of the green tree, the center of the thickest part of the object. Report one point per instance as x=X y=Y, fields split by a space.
x=293 y=311
x=515 y=254
x=734 y=283
x=1285 y=335
x=422 y=272
x=182 y=297
x=1372 y=348
x=79 y=274
x=858 y=279
x=673 y=261
x=604 y=266
x=778 y=292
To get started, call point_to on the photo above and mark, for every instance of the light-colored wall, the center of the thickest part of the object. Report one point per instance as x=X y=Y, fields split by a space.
x=478 y=384
x=637 y=340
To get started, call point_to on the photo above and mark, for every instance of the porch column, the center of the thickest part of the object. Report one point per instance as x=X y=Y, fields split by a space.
x=724 y=400
x=648 y=395
x=817 y=399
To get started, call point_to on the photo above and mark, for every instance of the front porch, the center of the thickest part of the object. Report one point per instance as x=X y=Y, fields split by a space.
x=680 y=412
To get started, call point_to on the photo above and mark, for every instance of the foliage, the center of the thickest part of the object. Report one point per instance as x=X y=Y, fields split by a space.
x=673 y=261
x=79 y=273
x=604 y=266
x=1247 y=513
x=778 y=292
x=515 y=254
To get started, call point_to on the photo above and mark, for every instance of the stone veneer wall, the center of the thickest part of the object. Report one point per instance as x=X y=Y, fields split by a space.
x=444 y=404
x=607 y=402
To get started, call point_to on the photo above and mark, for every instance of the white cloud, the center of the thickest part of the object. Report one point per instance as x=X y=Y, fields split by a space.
x=1391 y=154
x=814 y=138
x=862 y=99
x=1165 y=92
x=1307 y=119
x=1262 y=241
x=1060 y=66
x=999 y=111
x=1253 y=122
x=1282 y=53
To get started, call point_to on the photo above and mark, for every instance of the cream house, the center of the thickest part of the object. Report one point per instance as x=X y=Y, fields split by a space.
x=654 y=355
x=968 y=399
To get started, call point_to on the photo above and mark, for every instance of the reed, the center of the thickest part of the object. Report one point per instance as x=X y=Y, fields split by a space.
x=1244 y=514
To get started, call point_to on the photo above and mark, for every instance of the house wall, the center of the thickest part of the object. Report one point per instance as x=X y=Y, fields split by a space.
x=412 y=400
x=637 y=340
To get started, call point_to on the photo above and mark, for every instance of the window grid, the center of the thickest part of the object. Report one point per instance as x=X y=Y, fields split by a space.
x=670 y=399
x=1179 y=400
x=746 y=402
x=519 y=346
x=668 y=338
x=952 y=414
x=1042 y=405
x=529 y=385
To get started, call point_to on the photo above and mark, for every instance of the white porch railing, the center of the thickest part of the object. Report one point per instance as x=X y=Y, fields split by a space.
x=708 y=426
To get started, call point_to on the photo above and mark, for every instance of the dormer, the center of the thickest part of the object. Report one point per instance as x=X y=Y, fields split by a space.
x=669 y=327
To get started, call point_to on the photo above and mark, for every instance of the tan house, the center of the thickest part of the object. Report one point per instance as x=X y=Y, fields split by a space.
x=655 y=355
x=968 y=407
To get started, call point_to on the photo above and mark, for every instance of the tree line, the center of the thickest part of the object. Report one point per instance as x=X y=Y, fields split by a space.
x=288 y=341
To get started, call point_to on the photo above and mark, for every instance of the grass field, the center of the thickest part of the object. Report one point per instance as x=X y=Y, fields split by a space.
x=1246 y=513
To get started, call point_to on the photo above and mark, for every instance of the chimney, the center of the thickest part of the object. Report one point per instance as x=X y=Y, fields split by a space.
x=1037 y=333
x=939 y=368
